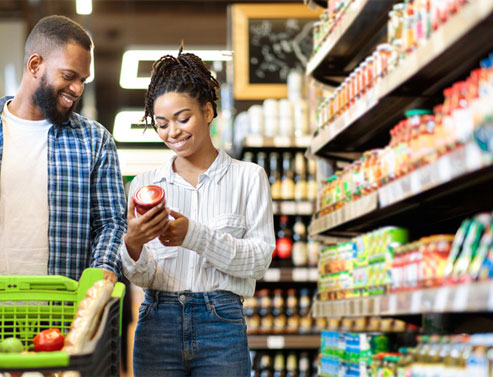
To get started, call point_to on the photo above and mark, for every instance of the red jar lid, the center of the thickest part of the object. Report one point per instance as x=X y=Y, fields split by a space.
x=148 y=196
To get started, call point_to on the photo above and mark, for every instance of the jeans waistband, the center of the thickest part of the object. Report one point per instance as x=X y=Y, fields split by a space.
x=156 y=295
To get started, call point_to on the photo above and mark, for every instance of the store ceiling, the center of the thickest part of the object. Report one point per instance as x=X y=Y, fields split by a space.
x=117 y=25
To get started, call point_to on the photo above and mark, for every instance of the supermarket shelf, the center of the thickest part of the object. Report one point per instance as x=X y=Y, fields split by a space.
x=298 y=341
x=451 y=52
x=297 y=274
x=364 y=206
x=461 y=176
x=359 y=30
x=292 y=207
x=471 y=297
x=276 y=142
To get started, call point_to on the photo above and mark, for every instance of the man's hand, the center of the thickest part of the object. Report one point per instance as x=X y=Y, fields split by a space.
x=176 y=230
x=109 y=275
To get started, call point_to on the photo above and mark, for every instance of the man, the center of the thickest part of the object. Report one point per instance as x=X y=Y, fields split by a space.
x=62 y=202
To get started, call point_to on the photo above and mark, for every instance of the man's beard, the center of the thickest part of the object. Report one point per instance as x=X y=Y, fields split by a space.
x=46 y=98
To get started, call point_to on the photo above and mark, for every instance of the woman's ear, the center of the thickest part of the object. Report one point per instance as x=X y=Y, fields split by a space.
x=208 y=112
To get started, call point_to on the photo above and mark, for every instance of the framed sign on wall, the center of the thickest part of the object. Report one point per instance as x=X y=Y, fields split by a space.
x=269 y=40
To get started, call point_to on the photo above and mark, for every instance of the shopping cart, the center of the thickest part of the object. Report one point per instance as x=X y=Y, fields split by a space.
x=30 y=304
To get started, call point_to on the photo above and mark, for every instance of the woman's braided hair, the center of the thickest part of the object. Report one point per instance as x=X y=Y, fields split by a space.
x=186 y=74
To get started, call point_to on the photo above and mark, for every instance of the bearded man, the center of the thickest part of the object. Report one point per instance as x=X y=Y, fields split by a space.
x=62 y=202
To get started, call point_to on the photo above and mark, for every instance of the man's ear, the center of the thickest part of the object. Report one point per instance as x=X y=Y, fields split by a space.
x=33 y=64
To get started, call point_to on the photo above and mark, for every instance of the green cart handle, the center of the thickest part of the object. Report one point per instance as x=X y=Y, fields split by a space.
x=34 y=360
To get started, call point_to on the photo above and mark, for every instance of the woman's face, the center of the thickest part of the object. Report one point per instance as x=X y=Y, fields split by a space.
x=182 y=123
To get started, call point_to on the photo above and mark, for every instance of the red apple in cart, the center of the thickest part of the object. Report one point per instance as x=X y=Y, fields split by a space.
x=147 y=197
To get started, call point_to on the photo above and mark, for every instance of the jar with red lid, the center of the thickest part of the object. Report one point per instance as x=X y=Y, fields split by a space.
x=147 y=197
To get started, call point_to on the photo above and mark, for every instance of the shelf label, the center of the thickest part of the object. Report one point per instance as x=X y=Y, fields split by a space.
x=313 y=274
x=461 y=296
x=490 y=301
x=255 y=141
x=272 y=274
x=282 y=141
x=275 y=342
x=304 y=208
x=416 y=301
x=392 y=304
x=441 y=299
x=300 y=274
x=288 y=208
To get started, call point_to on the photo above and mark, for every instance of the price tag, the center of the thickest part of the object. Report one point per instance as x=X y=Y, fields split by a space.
x=304 y=208
x=490 y=301
x=275 y=342
x=416 y=301
x=473 y=157
x=300 y=274
x=460 y=298
x=255 y=141
x=426 y=177
x=415 y=183
x=313 y=274
x=282 y=141
x=288 y=208
x=272 y=274
x=444 y=170
x=441 y=299
x=392 y=304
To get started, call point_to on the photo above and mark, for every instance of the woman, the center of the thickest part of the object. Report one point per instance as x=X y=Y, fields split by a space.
x=198 y=265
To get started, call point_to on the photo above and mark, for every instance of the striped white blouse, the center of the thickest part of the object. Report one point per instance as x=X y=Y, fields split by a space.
x=230 y=237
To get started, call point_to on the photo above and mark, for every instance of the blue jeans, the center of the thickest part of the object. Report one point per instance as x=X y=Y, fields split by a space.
x=191 y=334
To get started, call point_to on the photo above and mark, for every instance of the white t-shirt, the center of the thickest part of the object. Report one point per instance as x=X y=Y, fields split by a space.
x=24 y=196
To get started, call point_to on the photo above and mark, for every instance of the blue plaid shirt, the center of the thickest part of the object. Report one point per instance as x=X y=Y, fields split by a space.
x=86 y=199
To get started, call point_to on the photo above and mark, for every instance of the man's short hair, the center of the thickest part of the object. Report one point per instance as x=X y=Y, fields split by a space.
x=54 y=32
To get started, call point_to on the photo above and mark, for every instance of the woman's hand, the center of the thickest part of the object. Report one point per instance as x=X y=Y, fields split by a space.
x=175 y=232
x=144 y=228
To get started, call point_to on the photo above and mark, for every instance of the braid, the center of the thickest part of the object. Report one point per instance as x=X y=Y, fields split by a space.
x=186 y=74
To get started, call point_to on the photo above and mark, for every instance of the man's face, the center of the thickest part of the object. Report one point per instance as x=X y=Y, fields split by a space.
x=62 y=82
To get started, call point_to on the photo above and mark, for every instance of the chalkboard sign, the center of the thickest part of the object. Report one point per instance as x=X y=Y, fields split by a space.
x=278 y=46
x=269 y=40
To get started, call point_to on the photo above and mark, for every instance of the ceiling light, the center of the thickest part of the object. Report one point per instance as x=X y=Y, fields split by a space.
x=129 y=76
x=83 y=6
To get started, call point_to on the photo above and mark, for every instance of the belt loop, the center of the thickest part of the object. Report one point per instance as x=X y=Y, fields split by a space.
x=207 y=302
x=156 y=299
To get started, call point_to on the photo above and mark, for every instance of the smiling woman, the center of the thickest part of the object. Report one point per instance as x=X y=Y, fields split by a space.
x=199 y=252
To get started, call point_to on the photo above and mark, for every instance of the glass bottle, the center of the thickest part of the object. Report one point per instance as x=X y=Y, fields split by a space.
x=287 y=181
x=293 y=318
x=265 y=311
x=292 y=365
x=278 y=311
x=275 y=176
x=279 y=365
x=262 y=161
x=300 y=248
x=248 y=157
x=312 y=180
x=284 y=240
x=300 y=183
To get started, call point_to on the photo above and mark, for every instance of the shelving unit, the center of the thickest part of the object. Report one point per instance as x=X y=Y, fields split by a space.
x=293 y=207
x=471 y=297
x=363 y=22
x=461 y=177
x=451 y=52
x=300 y=341
x=434 y=198
x=289 y=274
